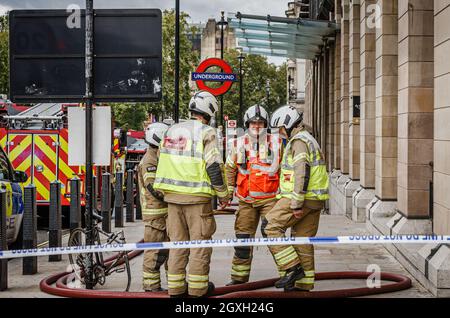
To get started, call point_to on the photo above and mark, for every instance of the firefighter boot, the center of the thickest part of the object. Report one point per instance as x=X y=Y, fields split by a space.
x=292 y=274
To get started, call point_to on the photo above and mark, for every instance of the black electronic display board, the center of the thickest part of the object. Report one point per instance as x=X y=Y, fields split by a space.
x=47 y=56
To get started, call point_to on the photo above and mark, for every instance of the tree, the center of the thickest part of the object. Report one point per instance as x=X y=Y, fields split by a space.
x=4 y=55
x=256 y=71
x=130 y=116
x=188 y=61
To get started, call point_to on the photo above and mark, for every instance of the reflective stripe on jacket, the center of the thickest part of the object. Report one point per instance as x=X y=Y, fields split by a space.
x=258 y=169
x=151 y=206
x=316 y=177
x=182 y=162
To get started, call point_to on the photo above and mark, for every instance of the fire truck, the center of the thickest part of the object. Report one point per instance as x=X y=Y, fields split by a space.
x=136 y=148
x=36 y=142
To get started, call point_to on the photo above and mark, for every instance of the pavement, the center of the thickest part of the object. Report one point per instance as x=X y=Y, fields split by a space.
x=329 y=258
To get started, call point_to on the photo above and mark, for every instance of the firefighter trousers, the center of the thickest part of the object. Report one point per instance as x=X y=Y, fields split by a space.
x=278 y=221
x=185 y=223
x=155 y=231
x=245 y=226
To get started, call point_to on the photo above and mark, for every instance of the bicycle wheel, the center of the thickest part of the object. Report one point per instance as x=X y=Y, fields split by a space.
x=78 y=261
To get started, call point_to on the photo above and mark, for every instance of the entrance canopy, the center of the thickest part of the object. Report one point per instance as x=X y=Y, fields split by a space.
x=279 y=36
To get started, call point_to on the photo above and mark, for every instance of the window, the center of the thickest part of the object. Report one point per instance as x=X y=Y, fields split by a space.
x=4 y=167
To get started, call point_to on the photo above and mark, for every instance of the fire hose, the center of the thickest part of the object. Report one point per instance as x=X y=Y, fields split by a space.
x=247 y=290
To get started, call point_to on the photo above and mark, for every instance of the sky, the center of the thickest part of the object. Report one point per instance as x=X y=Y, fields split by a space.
x=199 y=10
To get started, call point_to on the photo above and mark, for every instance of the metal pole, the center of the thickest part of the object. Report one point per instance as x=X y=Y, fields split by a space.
x=130 y=199
x=176 y=108
x=138 y=200
x=55 y=225
x=94 y=191
x=3 y=242
x=326 y=107
x=106 y=202
x=30 y=264
x=75 y=204
x=241 y=95
x=118 y=200
x=314 y=101
x=222 y=23
x=89 y=84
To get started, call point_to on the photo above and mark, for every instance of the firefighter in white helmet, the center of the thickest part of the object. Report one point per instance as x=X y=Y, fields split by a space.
x=252 y=167
x=303 y=192
x=190 y=172
x=154 y=209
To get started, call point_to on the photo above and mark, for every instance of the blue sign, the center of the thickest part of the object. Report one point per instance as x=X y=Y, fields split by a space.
x=214 y=77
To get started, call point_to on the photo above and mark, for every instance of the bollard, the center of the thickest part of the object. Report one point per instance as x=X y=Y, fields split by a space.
x=75 y=204
x=106 y=202
x=3 y=242
x=95 y=192
x=130 y=199
x=55 y=226
x=118 y=200
x=29 y=264
x=138 y=200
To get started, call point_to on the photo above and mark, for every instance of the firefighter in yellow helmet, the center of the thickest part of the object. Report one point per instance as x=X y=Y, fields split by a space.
x=154 y=209
x=190 y=173
x=252 y=167
x=303 y=192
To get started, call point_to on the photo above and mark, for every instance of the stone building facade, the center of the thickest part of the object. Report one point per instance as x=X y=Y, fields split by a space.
x=210 y=43
x=378 y=97
x=296 y=69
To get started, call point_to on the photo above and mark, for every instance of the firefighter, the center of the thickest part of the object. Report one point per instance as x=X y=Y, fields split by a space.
x=190 y=172
x=252 y=167
x=303 y=192
x=154 y=209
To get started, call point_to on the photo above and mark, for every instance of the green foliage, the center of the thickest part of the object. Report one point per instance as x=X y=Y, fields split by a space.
x=4 y=55
x=256 y=71
x=188 y=61
x=130 y=116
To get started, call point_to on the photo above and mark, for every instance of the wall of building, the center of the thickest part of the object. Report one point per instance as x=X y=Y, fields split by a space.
x=391 y=54
x=441 y=207
x=211 y=40
x=298 y=69
x=389 y=167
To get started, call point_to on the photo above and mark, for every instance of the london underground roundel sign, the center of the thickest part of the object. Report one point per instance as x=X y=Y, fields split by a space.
x=226 y=77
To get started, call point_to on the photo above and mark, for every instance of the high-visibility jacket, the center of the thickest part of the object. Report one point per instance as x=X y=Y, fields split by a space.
x=316 y=178
x=151 y=207
x=182 y=161
x=258 y=169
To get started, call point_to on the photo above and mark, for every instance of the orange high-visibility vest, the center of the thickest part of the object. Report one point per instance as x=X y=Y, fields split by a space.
x=258 y=171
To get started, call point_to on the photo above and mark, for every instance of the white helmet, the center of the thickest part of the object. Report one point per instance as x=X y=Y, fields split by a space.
x=286 y=116
x=204 y=103
x=155 y=133
x=256 y=113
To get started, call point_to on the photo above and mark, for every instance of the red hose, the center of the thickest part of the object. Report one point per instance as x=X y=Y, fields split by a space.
x=248 y=290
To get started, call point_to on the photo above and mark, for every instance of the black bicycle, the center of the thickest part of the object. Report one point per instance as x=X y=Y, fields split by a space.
x=101 y=267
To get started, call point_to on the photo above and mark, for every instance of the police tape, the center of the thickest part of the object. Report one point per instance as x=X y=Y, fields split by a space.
x=360 y=239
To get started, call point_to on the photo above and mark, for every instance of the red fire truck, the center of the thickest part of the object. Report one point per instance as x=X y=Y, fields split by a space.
x=36 y=142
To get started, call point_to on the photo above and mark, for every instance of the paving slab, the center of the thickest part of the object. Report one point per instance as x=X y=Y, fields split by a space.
x=329 y=258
